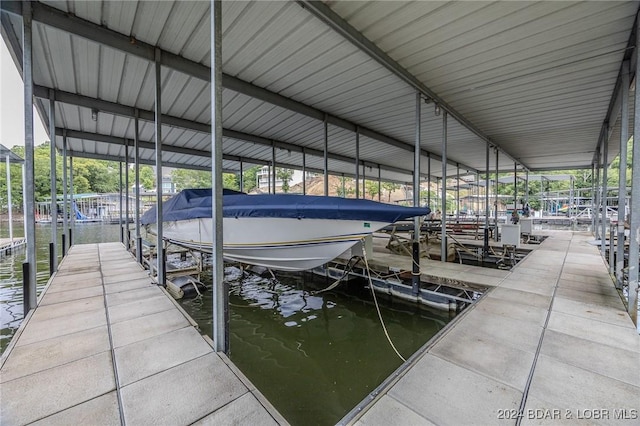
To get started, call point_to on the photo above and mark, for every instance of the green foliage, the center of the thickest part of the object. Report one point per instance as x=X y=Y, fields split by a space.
x=88 y=176
x=344 y=190
x=250 y=177
x=371 y=188
x=230 y=181
x=390 y=187
x=188 y=179
x=285 y=176
x=147 y=178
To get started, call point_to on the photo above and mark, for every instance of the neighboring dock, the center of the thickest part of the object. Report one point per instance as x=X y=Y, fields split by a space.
x=7 y=245
x=551 y=343
x=107 y=346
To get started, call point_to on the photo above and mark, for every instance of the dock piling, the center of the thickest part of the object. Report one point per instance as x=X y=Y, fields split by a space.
x=26 y=288
x=52 y=258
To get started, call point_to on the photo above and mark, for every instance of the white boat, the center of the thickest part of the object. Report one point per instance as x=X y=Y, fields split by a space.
x=282 y=231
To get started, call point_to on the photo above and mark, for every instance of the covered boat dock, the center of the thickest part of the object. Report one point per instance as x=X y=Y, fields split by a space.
x=405 y=92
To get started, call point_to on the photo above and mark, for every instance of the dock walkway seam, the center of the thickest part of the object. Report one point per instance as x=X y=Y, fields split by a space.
x=107 y=346
x=552 y=343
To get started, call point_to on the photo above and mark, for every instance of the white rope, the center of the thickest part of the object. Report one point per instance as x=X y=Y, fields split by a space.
x=375 y=301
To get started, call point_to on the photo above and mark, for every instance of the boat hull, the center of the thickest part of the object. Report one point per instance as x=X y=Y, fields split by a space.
x=279 y=243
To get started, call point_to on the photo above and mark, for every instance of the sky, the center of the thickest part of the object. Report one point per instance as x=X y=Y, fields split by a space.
x=12 y=105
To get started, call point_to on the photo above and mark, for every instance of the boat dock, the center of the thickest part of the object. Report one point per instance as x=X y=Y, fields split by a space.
x=552 y=342
x=105 y=345
x=7 y=245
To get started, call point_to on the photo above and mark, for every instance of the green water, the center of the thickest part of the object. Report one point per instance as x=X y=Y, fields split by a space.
x=315 y=356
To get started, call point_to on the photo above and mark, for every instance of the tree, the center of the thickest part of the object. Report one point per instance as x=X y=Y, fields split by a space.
x=230 y=181
x=390 y=187
x=185 y=179
x=342 y=190
x=285 y=176
x=147 y=177
x=372 y=188
x=249 y=178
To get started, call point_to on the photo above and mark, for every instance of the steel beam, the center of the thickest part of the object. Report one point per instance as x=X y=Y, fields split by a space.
x=443 y=243
x=28 y=182
x=622 y=172
x=323 y=12
x=304 y=172
x=495 y=190
x=357 y=162
x=65 y=194
x=272 y=175
x=54 y=193
x=148 y=115
x=325 y=159
x=634 y=225
x=221 y=292
x=158 y=157
x=136 y=150
x=605 y=166
x=415 y=274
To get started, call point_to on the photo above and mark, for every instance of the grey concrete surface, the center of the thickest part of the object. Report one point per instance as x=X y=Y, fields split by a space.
x=62 y=368
x=555 y=318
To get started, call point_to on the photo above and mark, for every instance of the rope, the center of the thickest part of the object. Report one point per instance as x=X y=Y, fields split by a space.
x=375 y=301
x=335 y=284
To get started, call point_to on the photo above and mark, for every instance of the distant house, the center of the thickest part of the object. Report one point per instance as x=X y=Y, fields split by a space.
x=168 y=186
x=264 y=176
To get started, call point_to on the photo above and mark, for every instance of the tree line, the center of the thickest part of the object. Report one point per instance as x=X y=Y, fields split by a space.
x=99 y=176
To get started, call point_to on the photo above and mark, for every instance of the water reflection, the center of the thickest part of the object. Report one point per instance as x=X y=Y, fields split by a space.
x=315 y=356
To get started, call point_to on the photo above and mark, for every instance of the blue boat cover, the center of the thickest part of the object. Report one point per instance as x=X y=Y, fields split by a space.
x=196 y=203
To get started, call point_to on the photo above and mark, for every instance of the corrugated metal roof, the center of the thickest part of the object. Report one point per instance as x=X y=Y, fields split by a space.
x=535 y=78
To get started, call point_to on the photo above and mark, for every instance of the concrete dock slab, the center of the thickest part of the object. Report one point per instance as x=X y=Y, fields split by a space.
x=552 y=338
x=118 y=351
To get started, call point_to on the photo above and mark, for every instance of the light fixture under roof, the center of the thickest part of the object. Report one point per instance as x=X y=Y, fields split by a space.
x=94 y=114
x=437 y=109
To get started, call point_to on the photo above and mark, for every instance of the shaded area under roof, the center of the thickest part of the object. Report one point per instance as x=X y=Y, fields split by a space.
x=537 y=79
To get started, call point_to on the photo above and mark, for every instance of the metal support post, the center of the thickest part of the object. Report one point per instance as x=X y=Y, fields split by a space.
x=120 y=219
x=357 y=162
x=603 y=199
x=127 y=233
x=158 y=130
x=221 y=292
x=53 y=257
x=596 y=204
x=515 y=186
x=326 y=156
x=622 y=172
x=273 y=168
x=495 y=234
x=29 y=275
x=634 y=225
x=304 y=172
x=380 y=183
x=136 y=150
x=65 y=194
x=443 y=245
x=457 y=191
x=241 y=178
x=486 y=203
x=429 y=179
x=9 y=204
x=415 y=252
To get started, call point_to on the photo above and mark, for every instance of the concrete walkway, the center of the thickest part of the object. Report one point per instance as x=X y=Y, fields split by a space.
x=106 y=346
x=551 y=344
